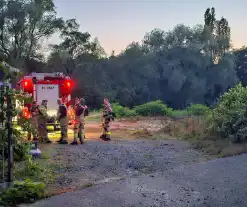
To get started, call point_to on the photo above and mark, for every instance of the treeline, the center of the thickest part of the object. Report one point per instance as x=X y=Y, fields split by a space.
x=183 y=66
x=227 y=119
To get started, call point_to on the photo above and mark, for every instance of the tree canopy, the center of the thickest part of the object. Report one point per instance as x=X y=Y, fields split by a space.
x=182 y=66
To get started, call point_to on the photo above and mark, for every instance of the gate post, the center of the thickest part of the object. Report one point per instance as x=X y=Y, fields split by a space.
x=9 y=115
x=2 y=127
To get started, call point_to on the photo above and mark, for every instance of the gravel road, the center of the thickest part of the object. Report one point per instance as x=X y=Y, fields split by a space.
x=146 y=174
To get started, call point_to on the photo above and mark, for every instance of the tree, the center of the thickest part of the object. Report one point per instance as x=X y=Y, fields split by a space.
x=182 y=66
x=74 y=41
x=75 y=47
x=241 y=64
x=209 y=19
x=216 y=35
x=23 y=26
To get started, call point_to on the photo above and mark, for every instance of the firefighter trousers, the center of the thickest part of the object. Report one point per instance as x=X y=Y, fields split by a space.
x=34 y=130
x=106 y=130
x=79 y=131
x=64 y=128
x=42 y=130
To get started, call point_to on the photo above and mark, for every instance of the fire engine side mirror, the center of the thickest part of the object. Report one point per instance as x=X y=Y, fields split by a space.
x=34 y=80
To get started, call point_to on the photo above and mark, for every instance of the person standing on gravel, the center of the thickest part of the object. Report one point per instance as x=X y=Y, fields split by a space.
x=42 y=120
x=62 y=117
x=34 y=120
x=107 y=117
x=81 y=111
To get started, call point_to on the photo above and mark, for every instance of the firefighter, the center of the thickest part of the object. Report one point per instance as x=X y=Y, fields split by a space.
x=62 y=116
x=34 y=120
x=81 y=110
x=42 y=120
x=107 y=117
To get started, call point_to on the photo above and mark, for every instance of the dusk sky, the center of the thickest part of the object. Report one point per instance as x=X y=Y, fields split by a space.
x=117 y=23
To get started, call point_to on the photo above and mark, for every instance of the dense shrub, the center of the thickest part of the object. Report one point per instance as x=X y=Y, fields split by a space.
x=22 y=192
x=158 y=108
x=178 y=113
x=229 y=116
x=121 y=111
x=20 y=148
x=192 y=110
x=198 y=110
x=154 y=108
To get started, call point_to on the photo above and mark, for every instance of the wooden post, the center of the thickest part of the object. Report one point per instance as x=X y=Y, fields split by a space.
x=9 y=131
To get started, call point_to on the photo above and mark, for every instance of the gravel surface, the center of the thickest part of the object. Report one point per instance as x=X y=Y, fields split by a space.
x=98 y=163
x=218 y=183
x=144 y=173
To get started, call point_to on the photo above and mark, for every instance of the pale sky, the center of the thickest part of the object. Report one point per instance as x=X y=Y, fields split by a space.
x=117 y=23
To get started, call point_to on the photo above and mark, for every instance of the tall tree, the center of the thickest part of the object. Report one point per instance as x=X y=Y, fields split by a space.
x=209 y=18
x=23 y=26
x=241 y=64
x=73 y=40
x=216 y=35
x=75 y=47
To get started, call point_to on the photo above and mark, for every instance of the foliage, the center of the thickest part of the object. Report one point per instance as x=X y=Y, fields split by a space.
x=178 y=113
x=22 y=192
x=198 y=109
x=158 y=108
x=178 y=67
x=26 y=191
x=121 y=111
x=30 y=169
x=181 y=66
x=154 y=108
x=20 y=148
x=76 y=46
x=241 y=64
x=25 y=125
x=229 y=115
x=23 y=25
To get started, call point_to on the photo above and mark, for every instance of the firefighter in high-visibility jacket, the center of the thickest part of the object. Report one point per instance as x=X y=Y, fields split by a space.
x=42 y=121
x=62 y=117
x=107 y=117
x=81 y=111
x=34 y=120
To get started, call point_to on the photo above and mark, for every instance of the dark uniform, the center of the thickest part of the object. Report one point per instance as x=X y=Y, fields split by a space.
x=81 y=110
x=42 y=122
x=62 y=116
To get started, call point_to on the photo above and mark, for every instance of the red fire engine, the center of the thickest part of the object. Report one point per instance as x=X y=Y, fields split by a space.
x=50 y=87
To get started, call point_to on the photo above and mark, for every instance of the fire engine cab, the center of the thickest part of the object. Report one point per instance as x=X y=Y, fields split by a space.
x=50 y=87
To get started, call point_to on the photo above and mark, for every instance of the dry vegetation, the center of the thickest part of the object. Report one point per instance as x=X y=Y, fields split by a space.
x=190 y=129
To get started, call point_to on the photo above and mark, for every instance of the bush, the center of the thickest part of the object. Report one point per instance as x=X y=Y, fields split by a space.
x=154 y=108
x=22 y=192
x=178 y=113
x=20 y=148
x=35 y=170
x=198 y=110
x=121 y=111
x=229 y=116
